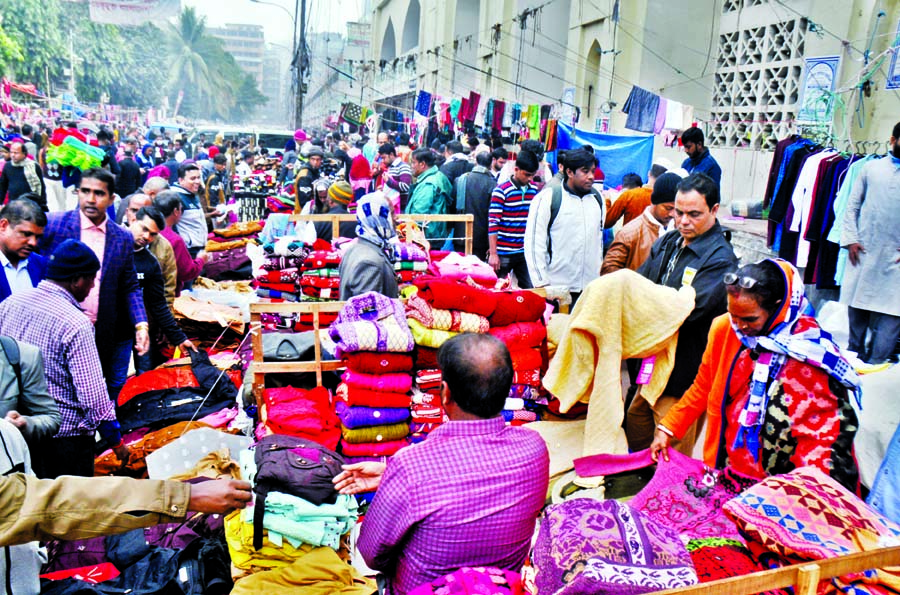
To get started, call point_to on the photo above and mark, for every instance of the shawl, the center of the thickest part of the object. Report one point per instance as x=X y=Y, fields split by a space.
x=813 y=346
x=31 y=176
x=376 y=225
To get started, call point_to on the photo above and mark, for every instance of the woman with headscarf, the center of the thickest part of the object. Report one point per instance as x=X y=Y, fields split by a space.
x=774 y=386
x=368 y=264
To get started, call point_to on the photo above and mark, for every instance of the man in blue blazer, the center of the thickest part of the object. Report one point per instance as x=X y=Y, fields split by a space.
x=22 y=224
x=115 y=305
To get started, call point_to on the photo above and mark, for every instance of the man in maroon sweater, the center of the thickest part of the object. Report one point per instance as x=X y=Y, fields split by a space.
x=169 y=204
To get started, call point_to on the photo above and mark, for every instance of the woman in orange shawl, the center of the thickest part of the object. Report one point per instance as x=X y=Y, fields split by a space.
x=774 y=386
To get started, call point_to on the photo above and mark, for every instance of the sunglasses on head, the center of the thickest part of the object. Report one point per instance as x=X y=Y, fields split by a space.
x=743 y=282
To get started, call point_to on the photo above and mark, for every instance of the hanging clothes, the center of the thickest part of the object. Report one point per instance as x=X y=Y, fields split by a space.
x=423 y=103
x=455 y=105
x=641 y=107
x=497 y=118
x=660 y=115
x=534 y=121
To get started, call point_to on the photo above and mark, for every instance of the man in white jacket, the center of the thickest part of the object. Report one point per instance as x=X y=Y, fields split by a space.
x=564 y=233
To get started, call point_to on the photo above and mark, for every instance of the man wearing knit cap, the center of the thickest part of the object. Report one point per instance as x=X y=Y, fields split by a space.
x=50 y=318
x=631 y=203
x=339 y=196
x=632 y=244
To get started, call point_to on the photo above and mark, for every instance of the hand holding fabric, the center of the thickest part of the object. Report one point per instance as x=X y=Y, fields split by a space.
x=359 y=478
x=219 y=496
x=855 y=251
x=660 y=444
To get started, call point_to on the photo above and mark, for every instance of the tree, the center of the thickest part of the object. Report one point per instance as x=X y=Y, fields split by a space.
x=35 y=27
x=10 y=50
x=247 y=99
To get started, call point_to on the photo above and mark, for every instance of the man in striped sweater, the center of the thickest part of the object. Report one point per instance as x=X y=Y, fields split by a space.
x=396 y=176
x=507 y=216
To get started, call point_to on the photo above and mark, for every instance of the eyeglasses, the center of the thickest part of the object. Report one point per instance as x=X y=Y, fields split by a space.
x=743 y=282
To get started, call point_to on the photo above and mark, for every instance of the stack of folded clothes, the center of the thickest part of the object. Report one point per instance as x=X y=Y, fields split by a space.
x=411 y=261
x=320 y=279
x=426 y=411
x=299 y=413
x=443 y=309
x=371 y=335
x=280 y=272
x=517 y=320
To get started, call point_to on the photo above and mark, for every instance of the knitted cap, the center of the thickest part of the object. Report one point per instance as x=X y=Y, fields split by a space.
x=71 y=259
x=664 y=189
x=340 y=192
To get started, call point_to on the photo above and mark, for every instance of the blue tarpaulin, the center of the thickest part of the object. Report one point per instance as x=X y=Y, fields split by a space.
x=618 y=155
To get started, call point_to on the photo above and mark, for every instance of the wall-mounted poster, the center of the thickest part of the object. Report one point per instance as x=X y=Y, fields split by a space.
x=816 y=100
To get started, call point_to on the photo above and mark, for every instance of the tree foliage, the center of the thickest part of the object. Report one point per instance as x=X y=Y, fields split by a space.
x=133 y=66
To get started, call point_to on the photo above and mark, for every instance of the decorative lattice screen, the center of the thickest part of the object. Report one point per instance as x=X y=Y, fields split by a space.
x=757 y=81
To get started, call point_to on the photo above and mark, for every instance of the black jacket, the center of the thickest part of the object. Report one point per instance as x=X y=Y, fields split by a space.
x=150 y=279
x=479 y=186
x=324 y=229
x=129 y=179
x=14 y=183
x=453 y=168
x=710 y=256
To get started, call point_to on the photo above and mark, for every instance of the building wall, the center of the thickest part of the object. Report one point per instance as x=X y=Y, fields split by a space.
x=247 y=44
x=738 y=62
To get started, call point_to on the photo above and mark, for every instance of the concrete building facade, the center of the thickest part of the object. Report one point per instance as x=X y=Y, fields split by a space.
x=742 y=64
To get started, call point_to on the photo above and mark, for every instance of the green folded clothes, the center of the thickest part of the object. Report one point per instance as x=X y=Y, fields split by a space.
x=374 y=434
x=329 y=273
x=405 y=265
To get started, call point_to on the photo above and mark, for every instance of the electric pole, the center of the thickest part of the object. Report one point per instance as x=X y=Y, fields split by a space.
x=300 y=62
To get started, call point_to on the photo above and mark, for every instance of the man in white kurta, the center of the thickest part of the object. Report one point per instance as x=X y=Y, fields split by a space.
x=871 y=234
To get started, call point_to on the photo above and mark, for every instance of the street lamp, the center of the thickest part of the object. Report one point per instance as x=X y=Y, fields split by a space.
x=297 y=50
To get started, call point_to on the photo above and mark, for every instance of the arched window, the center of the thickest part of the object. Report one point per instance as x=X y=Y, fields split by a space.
x=389 y=42
x=411 y=26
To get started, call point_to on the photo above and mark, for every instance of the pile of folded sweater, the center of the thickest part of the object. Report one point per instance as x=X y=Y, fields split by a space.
x=300 y=413
x=320 y=279
x=437 y=310
x=411 y=261
x=517 y=320
x=280 y=270
x=373 y=400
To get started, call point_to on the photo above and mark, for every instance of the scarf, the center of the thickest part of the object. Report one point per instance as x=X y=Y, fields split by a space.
x=813 y=346
x=375 y=223
x=31 y=176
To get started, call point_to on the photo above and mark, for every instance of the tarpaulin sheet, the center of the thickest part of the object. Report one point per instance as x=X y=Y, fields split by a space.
x=618 y=155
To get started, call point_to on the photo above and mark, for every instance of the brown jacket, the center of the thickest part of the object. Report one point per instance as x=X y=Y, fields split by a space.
x=70 y=507
x=632 y=244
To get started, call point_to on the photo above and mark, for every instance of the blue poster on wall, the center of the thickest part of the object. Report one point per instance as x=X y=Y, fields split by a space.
x=617 y=155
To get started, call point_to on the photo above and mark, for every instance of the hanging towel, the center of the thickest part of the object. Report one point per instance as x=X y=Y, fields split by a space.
x=674 y=115
x=489 y=114
x=455 y=104
x=534 y=121
x=641 y=107
x=499 y=110
x=660 y=115
x=463 y=111
x=474 y=99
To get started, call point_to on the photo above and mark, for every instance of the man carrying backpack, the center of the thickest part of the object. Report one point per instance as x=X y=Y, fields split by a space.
x=564 y=232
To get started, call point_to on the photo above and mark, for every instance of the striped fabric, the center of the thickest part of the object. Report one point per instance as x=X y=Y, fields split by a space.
x=507 y=216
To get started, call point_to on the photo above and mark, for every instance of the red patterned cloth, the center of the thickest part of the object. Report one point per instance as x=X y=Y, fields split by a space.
x=520 y=335
x=322 y=259
x=517 y=306
x=320 y=282
x=448 y=295
x=305 y=322
x=718 y=558
x=426 y=358
x=370 y=362
x=284 y=287
x=529 y=377
x=91 y=575
x=526 y=359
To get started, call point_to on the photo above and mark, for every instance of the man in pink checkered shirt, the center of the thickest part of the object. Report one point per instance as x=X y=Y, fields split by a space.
x=470 y=494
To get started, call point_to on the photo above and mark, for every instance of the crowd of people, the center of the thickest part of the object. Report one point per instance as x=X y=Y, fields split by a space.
x=93 y=260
